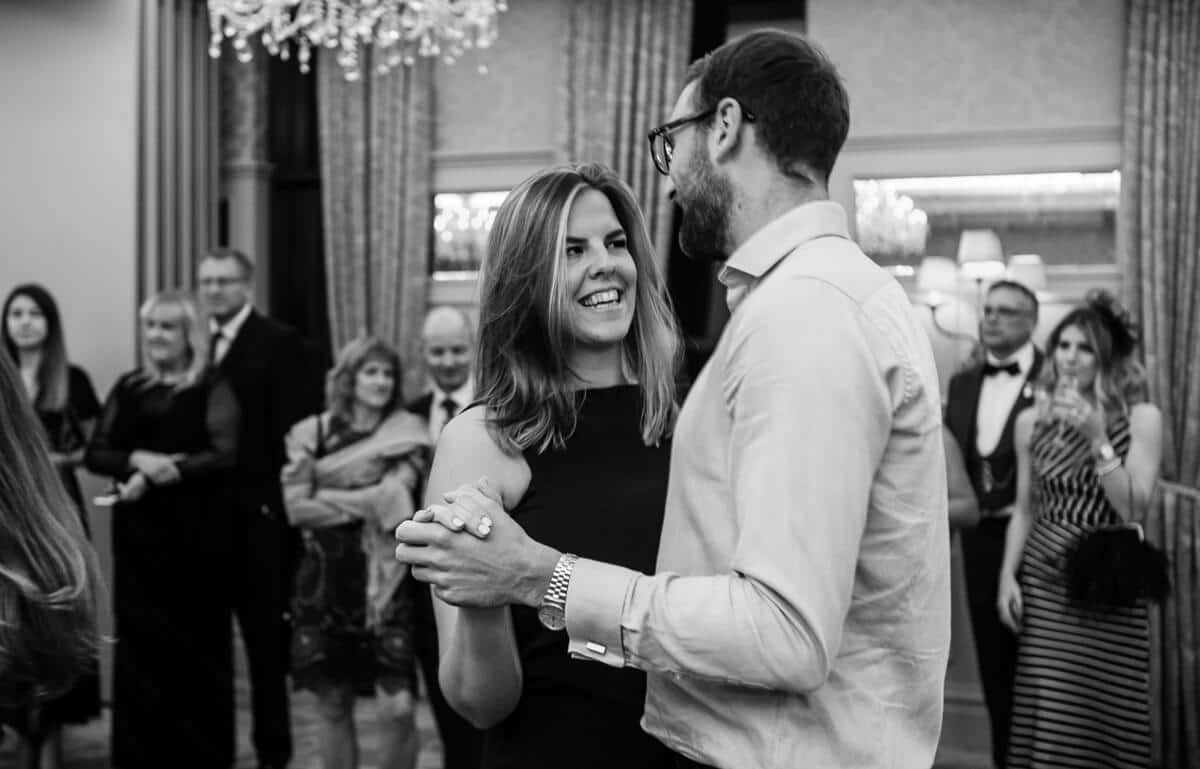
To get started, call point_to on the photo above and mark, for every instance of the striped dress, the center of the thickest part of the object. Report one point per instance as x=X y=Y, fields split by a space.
x=1081 y=694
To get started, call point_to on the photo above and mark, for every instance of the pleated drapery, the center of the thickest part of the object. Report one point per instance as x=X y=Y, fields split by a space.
x=376 y=144
x=177 y=145
x=1159 y=250
x=625 y=65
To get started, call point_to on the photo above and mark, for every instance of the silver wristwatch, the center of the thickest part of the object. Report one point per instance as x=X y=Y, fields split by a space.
x=553 y=609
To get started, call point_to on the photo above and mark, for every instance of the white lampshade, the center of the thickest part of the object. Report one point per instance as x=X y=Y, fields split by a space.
x=980 y=254
x=937 y=275
x=1028 y=270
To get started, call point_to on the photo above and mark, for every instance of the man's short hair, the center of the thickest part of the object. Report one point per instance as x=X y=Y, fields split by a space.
x=245 y=263
x=1020 y=288
x=787 y=82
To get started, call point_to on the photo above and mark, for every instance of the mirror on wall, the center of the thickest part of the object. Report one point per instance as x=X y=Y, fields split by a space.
x=946 y=238
x=1068 y=219
x=461 y=223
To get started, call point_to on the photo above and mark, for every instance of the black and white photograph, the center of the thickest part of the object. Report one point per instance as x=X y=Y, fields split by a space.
x=653 y=384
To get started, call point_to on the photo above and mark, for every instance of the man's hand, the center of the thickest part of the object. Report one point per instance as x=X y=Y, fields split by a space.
x=508 y=568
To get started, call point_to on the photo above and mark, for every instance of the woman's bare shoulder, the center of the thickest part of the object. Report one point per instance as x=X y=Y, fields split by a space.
x=468 y=449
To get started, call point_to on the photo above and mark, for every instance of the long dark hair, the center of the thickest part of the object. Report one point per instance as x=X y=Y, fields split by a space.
x=521 y=369
x=52 y=374
x=49 y=576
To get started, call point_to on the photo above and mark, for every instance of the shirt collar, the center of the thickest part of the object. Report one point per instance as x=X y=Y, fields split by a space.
x=1022 y=357
x=462 y=396
x=775 y=240
x=230 y=328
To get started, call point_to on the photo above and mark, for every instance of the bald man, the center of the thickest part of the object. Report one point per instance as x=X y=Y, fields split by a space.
x=448 y=347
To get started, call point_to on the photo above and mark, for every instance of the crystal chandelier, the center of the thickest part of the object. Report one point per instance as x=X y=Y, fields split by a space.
x=399 y=30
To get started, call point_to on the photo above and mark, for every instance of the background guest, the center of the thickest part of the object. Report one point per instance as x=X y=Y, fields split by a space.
x=66 y=404
x=1087 y=457
x=264 y=363
x=981 y=410
x=49 y=576
x=448 y=347
x=348 y=482
x=167 y=430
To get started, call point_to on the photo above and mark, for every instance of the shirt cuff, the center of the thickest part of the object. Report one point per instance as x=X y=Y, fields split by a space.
x=596 y=599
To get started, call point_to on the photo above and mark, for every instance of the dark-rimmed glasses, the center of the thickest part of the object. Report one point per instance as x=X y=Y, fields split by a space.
x=661 y=145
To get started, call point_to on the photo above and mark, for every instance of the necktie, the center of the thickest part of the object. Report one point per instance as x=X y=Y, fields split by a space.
x=215 y=353
x=450 y=406
x=991 y=369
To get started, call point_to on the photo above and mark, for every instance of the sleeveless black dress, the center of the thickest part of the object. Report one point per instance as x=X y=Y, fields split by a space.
x=601 y=497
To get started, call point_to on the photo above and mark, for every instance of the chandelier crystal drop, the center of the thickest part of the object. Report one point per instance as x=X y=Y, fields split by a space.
x=398 y=30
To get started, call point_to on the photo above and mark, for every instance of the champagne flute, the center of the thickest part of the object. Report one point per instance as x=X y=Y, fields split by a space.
x=1066 y=383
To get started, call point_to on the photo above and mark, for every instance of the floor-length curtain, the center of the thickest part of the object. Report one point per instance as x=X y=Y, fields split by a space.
x=1159 y=249
x=376 y=144
x=625 y=65
x=177 y=144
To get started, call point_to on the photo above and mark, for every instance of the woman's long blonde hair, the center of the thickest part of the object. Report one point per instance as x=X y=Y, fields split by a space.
x=49 y=576
x=195 y=331
x=521 y=370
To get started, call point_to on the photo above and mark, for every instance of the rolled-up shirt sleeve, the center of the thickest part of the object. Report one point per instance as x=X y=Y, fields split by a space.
x=810 y=413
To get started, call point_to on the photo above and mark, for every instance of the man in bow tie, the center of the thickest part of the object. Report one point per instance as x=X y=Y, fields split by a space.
x=448 y=348
x=982 y=407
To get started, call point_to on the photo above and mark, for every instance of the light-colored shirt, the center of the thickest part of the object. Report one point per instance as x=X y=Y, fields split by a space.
x=800 y=614
x=996 y=398
x=438 y=416
x=227 y=332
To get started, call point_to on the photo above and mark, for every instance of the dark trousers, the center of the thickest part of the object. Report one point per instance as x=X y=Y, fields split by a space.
x=461 y=742
x=261 y=586
x=995 y=645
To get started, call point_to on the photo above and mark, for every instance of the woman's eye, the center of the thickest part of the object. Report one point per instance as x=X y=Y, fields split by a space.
x=574 y=251
x=619 y=243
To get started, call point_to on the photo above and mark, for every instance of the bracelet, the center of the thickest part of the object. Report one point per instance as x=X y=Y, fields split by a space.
x=1108 y=467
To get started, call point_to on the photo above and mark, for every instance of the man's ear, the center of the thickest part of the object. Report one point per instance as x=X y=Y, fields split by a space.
x=726 y=133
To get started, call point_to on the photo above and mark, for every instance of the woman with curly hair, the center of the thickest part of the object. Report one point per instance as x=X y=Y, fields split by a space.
x=1088 y=456
x=348 y=482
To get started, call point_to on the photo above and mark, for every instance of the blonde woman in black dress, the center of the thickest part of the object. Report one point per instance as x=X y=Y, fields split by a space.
x=167 y=436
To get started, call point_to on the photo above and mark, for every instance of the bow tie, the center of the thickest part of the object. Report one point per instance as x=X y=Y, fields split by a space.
x=991 y=369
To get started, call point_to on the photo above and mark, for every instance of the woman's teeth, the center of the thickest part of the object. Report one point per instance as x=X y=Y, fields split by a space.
x=601 y=298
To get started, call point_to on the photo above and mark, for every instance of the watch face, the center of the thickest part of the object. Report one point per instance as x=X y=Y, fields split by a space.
x=552 y=617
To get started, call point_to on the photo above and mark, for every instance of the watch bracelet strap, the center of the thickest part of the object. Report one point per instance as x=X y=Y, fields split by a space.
x=560 y=580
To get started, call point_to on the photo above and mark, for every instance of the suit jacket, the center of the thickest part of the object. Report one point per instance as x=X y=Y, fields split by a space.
x=962 y=406
x=266 y=366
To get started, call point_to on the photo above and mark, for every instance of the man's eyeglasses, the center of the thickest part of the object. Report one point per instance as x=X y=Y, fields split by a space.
x=661 y=145
x=1003 y=313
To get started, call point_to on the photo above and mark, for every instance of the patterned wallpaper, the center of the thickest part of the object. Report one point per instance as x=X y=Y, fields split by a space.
x=921 y=67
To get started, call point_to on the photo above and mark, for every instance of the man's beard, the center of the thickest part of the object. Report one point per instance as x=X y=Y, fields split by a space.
x=704 y=229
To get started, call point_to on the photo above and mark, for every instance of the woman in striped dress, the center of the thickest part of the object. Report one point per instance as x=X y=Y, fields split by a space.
x=1088 y=455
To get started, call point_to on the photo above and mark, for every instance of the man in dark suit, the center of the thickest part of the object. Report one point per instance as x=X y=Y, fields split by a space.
x=447 y=345
x=981 y=410
x=264 y=363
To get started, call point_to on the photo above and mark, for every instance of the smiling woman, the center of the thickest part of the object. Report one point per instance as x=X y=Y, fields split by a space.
x=577 y=355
